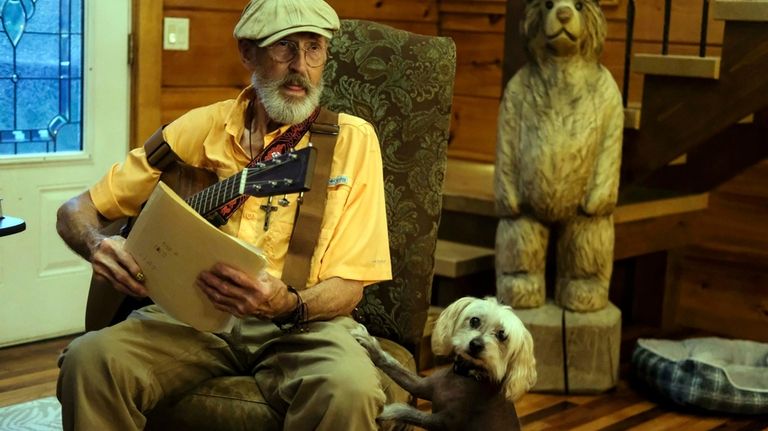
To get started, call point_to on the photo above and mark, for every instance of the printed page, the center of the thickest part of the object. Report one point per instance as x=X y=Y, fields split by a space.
x=173 y=244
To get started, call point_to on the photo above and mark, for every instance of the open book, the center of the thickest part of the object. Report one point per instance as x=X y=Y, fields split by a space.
x=173 y=244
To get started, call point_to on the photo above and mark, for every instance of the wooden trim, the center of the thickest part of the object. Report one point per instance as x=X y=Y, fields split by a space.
x=146 y=70
x=740 y=10
x=660 y=208
x=677 y=65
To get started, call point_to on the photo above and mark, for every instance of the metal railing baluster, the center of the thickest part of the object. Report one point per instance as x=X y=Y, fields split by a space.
x=704 y=24
x=667 y=19
x=628 y=49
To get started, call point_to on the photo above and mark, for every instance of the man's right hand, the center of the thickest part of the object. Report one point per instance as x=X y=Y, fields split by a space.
x=80 y=225
x=110 y=261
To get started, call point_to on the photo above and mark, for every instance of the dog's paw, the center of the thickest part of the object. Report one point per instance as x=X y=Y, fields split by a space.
x=394 y=412
x=360 y=333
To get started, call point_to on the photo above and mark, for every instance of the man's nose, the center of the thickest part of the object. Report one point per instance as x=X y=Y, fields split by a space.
x=299 y=62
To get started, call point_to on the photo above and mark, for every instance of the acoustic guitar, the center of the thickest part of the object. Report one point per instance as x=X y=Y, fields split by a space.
x=284 y=174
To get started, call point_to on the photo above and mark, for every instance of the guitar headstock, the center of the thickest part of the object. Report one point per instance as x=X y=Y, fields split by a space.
x=286 y=173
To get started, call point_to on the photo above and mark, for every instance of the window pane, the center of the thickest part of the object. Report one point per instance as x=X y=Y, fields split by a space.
x=40 y=76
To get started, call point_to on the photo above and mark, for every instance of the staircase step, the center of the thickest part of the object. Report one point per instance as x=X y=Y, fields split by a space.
x=740 y=10
x=468 y=188
x=646 y=220
x=677 y=65
x=453 y=259
x=632 y=116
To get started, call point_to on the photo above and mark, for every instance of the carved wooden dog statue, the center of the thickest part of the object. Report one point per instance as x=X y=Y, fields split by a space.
x=558 y=157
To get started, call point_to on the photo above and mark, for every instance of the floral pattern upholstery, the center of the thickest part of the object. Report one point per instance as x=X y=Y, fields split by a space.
x=403 y=84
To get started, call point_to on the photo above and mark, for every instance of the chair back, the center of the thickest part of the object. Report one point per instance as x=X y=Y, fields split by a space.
x=402 y=83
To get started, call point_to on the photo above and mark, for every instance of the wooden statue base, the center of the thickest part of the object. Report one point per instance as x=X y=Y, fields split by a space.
x=592 y=340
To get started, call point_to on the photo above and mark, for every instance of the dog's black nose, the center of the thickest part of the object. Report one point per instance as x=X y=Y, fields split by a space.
x=476 y=346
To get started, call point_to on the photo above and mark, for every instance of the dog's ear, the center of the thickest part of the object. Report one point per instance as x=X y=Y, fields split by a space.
x=446 y=324
x=521 y=370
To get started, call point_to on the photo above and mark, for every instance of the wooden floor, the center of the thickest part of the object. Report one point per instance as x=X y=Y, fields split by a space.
x=29 y=372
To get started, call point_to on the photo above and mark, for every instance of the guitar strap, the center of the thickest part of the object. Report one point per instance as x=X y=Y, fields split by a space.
x=159 y=153
x=309 y=213
x=309 y=217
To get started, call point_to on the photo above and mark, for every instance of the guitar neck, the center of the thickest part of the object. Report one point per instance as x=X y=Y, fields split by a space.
x=213 y=197
x=283 y=174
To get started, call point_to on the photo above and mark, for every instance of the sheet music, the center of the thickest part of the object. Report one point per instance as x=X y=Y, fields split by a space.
x=173 y=244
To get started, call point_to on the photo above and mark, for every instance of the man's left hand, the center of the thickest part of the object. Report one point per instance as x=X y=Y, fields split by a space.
x=232 y=291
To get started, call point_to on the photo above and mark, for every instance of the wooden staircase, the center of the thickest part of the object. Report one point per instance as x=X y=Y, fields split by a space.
x=693 y=105
x=701 y=122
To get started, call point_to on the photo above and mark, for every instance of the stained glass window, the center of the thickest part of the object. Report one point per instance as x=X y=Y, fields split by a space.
x=41 y=76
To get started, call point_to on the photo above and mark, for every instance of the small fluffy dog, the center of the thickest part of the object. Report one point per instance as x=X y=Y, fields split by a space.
x=493 y=365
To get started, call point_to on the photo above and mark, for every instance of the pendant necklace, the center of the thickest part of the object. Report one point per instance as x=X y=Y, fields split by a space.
x=268 y=208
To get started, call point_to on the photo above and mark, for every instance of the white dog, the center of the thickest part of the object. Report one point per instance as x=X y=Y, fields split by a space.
x=493 y=365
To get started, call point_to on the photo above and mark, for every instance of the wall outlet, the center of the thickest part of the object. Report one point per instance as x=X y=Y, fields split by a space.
x=176 y=34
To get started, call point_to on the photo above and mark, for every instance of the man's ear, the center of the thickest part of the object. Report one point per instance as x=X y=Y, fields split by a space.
x=247 y=53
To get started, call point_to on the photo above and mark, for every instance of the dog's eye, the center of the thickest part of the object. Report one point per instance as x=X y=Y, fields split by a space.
x=474 y=322
x=501 y=335
x=579 y=6
x=549 y=5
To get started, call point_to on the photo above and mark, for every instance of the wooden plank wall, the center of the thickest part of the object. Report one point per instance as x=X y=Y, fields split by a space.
x=724 y=276
x=211 y=70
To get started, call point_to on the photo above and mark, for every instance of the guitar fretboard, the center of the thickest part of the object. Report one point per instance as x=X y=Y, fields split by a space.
x=217 y=195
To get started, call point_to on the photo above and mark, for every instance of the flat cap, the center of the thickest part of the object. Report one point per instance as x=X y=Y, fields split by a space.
x=267 y=21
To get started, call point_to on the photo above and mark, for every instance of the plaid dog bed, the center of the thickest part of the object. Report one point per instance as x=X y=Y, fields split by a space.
x=710 y=373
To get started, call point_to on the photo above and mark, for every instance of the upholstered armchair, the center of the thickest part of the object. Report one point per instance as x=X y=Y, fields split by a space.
x=403 y=84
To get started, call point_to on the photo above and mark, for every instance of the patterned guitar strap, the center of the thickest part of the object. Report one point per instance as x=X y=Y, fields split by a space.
x=280 y=145
x=324 y=129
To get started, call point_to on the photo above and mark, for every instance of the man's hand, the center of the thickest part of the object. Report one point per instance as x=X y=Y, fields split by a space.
x=111 y=261
x=231 y=290
x=80 y=225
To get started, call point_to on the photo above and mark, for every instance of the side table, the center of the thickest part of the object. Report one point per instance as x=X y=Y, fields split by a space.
x=11 y=225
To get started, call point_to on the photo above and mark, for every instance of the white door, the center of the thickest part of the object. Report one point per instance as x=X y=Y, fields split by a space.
x=43 y=285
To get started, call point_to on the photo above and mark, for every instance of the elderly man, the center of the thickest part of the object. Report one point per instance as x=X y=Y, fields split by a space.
x=318 y=378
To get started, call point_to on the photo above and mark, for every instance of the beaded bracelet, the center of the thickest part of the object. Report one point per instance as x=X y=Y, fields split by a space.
x=296 y=320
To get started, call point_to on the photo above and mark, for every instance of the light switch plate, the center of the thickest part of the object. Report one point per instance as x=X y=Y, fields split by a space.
x=176 y=34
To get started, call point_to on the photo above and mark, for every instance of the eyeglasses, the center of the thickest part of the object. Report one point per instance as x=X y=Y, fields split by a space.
x=285 y=51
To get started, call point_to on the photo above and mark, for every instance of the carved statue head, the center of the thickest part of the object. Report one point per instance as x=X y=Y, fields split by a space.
x=563 y=28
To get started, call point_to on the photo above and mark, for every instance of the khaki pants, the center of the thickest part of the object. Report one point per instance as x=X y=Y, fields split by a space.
x=320 y=380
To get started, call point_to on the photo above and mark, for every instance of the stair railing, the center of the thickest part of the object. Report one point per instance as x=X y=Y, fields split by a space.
x=631 y=11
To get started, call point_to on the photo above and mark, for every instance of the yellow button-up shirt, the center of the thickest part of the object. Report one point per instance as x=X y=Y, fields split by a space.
x=353 y=241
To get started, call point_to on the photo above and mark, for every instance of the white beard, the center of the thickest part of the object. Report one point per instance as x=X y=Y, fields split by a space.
x=287 y=110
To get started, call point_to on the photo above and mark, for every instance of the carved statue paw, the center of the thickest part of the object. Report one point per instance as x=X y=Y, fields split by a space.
x=585 y=294
x=521 y=290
